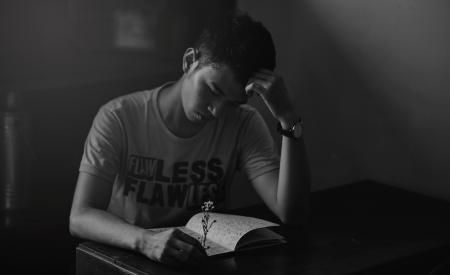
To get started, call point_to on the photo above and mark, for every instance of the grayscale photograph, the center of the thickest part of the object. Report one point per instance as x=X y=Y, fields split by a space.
x=247 y=137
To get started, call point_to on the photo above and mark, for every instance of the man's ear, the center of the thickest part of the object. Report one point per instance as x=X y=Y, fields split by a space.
x=190 y=59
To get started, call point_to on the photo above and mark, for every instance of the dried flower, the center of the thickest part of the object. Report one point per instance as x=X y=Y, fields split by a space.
x=206 y=208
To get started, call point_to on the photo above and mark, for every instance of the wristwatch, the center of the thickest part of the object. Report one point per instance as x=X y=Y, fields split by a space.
x=294 y=131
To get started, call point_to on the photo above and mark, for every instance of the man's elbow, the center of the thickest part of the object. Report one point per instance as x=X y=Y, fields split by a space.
x=295 y=218
x=294 y=221
x=74 y=223
x=72 y=226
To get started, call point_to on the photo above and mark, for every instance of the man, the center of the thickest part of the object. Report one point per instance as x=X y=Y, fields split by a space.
x=152 y=157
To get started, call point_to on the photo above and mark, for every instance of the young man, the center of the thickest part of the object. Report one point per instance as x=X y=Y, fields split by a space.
x=151 y=158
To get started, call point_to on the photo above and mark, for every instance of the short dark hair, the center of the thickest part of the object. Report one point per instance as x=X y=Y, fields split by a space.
x=236 y=40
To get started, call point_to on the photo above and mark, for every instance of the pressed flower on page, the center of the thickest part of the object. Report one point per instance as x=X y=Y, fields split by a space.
x=207 y=207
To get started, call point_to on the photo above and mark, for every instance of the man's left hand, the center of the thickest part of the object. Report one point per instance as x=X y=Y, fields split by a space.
x=271 y=88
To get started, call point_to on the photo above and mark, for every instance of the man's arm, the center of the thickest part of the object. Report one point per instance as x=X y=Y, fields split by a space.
x=89 y=219
x=285 y=191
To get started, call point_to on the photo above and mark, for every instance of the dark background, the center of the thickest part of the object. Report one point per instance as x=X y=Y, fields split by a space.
x=59 y=62
x=60 y=59
x=370 y=78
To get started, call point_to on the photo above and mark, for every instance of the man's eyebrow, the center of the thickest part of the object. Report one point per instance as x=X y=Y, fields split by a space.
x=216 y=87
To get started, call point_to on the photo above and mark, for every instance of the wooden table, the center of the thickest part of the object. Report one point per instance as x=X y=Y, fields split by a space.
x=361 y=228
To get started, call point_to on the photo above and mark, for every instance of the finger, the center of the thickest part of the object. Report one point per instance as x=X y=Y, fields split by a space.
x=266 y=83
x=248 y=89
x=186 y=253
x=196 y=245
x=264 y=77
x=188 y=248
x=258 y=88
x=266 y=71
x=261 y=78
x=187 y=238
x=257 y=79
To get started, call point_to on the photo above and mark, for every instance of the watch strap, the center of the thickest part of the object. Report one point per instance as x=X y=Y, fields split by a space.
x=290 y=132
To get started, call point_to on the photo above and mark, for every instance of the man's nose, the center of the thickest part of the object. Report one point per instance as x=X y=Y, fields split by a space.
x=217 y=108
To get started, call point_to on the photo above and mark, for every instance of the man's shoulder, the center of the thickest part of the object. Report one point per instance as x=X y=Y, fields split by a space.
x=134 y=99
x=131 y=101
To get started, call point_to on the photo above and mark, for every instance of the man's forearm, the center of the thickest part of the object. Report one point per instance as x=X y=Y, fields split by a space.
x=293 y=182
x=102 y=226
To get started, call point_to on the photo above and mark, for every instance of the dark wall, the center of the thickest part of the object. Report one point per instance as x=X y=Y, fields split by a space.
x=64 y=59
x=61 y=60
x=50 y=43
x=59 y=123
x=372 y=80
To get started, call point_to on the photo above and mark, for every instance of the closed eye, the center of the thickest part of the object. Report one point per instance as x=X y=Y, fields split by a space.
x=218 y=92
x=211 y=91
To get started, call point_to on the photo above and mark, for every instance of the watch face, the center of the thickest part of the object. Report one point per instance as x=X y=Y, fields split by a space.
x=297 y=130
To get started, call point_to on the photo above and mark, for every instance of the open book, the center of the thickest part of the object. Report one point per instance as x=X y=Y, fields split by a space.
x=231 y=233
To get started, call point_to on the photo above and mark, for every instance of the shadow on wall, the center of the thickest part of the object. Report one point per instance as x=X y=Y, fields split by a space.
x=401 y=51
x=371 y=79
x=328 y=90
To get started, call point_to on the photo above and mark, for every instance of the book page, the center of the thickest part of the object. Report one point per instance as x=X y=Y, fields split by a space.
x=227 y=229
x=259 y=238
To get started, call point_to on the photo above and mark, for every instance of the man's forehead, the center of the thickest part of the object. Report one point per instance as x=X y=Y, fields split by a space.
x=236 y=95
x=223 y=78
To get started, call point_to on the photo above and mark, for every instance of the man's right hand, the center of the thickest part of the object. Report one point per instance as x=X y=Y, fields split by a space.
x=172 y=247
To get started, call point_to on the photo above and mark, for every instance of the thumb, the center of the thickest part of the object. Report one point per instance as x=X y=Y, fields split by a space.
x=249 y=89
x=253 y=87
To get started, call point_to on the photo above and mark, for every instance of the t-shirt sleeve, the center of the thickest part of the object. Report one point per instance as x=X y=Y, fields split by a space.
x=103 y=146
x=258 y=153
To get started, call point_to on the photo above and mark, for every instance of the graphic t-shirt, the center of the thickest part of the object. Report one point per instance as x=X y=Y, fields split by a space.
x=160 y=179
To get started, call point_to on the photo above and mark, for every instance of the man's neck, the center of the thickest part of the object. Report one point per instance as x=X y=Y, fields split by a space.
x=171 y=109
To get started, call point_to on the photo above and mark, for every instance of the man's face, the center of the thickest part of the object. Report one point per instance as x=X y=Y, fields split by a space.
x=209 y=92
